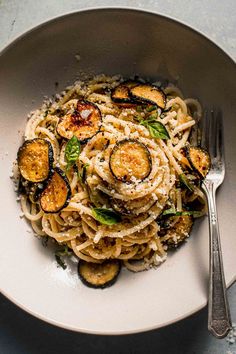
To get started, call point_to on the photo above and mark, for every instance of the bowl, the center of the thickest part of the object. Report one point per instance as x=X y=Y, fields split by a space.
x=45 y=60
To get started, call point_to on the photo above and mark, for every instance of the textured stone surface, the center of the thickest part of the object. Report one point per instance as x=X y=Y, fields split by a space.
x=21 y=333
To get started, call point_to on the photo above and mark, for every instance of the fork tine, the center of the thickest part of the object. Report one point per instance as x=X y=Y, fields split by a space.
x=220 y=138
x=212 y=135
x=204 y=131
x=194 y=136
x=201 y=130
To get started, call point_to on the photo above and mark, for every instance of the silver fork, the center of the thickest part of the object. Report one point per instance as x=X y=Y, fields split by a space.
x=219 y=321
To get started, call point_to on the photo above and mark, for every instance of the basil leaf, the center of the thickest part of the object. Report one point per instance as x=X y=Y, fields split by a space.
x=62 y=252
x=138 y=118
x=139 y=108
x=82 y=174
x=184 y=180
x=151 y=108
x=45 y=240
x=194 y=213
x=170 y=211
x=152 y=118
x=60 y=262
x=106 y=216
x=72 y=151
x=157 y=129
x=146 y=122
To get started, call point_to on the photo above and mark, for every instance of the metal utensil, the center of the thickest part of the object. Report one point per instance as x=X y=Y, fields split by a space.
x=219 y=321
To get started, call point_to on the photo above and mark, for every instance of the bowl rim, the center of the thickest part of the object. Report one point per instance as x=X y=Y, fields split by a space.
x=30 y=29
x=59 y=17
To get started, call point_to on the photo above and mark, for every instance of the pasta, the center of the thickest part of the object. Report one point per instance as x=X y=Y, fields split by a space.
x=139 y=238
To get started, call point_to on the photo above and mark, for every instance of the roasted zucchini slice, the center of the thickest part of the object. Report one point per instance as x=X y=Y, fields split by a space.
x=121 y=93
x=199 y=160
x=130 y=161
x=35 y=159
x=180 y=230
x=56 y=194
x=148 y=93
x=97 y=275
x=84 y=122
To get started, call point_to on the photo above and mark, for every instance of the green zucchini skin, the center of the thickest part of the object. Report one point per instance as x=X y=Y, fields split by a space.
x=74 y=124
x=20 y=157
x=180 y=231
x=44 y=196
x=201 y=156
x=121 y=93
x=121 y=144
x=90 y=279
x=145 y=97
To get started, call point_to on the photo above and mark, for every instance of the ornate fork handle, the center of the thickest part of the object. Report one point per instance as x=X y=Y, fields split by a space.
x=219 y=321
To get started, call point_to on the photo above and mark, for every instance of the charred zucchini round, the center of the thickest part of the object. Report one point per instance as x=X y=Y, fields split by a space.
x=56 y=194
x=84 y=122
x=199 y=160
x=97 y=275
x=35 y=159
x=177 y=233
x=130 y=161
x=121 y=93
x=148 y=93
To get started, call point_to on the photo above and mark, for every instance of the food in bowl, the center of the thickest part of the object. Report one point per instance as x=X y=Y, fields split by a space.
x=107 y=171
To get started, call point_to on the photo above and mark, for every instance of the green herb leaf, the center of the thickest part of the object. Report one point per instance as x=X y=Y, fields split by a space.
x=194 y=213
x=139 y=108
x=170 y=211
x=82 y=174
x=45 y=240
x=184 y=180
x=157 y=129
x=62 y=252
x=60 y=262
x=152 y=118
x=139 y=118
x=72 y=151
x=150 y=108
x=106 y=216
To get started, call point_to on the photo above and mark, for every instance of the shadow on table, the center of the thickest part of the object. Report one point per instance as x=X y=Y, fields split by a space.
x=22 y=333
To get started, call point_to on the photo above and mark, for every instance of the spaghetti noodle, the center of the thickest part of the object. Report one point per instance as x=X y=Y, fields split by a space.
x=141 y=238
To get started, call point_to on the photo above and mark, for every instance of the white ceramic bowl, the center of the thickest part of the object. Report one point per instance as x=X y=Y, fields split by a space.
x=111 y=41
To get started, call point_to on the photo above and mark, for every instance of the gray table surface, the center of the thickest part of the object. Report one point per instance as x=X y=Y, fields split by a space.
x=22 y=333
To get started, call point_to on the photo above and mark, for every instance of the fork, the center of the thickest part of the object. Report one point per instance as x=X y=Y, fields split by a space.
x=219 y=321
